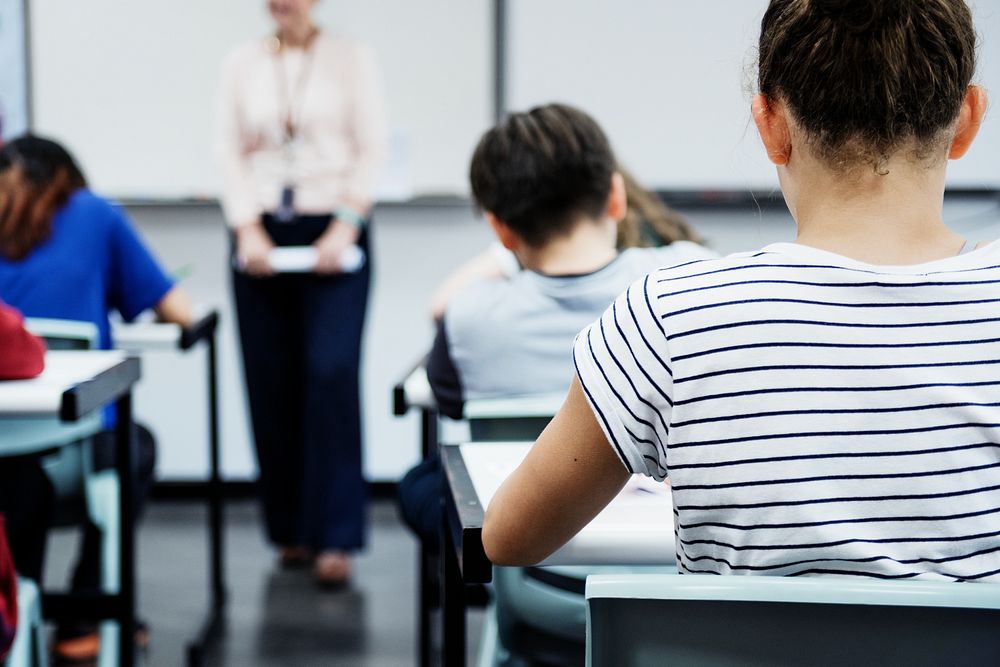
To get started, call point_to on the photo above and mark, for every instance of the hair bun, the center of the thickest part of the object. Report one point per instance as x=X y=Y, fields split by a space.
x=860 y=15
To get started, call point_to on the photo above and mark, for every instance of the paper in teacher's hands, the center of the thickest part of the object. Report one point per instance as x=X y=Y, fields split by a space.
x=302 y=259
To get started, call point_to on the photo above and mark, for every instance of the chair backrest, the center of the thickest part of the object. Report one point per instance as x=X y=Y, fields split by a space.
x=510 y=419
x=65 y=334
x=638 y=620
x=68 y=467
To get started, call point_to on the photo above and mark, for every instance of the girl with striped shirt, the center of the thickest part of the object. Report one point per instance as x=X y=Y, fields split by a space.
x=829 y=406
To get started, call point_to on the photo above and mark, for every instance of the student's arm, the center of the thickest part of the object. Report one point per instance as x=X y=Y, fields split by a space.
x=175 y=307
x=21 y=354
x=446 y=385
x=569 y=476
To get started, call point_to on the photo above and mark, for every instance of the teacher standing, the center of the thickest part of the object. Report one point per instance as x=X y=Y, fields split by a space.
x=301 y=140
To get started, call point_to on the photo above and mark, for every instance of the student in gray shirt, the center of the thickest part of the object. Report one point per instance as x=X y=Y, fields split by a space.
x=547 y=183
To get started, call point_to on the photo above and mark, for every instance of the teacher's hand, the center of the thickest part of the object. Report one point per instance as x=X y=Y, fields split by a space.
x=331 y=245
x=253 y=244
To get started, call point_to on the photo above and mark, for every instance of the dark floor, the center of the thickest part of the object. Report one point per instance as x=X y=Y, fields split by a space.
x=275 y=617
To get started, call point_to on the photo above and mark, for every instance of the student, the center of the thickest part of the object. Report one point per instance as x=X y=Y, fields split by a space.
x=22 y=356
x=66 y=253
x=648 y=223
x=547 y=182
x=828 y=406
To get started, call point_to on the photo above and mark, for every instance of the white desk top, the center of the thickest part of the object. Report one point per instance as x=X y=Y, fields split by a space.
x=145 y=335
x=42 y=396
x=637 y=528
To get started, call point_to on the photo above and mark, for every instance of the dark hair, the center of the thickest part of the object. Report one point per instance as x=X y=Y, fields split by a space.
x=37 y=177
x=541 y=171
x=648 y=221
x=865 y=77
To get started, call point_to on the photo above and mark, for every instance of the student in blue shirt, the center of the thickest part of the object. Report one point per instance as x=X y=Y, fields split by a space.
x=66 y=253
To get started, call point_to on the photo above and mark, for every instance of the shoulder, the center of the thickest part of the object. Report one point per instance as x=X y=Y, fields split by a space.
x=345 y=49
x=677 y=254
x=474 y=311
x=99 y=212
x=339 y=43
x=697 y=281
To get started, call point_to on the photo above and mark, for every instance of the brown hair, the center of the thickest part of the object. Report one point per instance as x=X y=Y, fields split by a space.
x=539 y=171
x=648 y=221
x=865 y=77
x=37 y=177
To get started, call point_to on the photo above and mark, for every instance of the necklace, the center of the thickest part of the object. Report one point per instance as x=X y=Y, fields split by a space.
x=291 y=97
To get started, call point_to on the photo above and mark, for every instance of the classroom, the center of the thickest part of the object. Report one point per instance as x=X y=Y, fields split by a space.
x=508 y=333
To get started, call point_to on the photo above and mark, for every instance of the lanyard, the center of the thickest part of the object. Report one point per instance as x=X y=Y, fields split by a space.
x=291 y=98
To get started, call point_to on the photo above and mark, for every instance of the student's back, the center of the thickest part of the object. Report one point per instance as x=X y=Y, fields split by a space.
x=510 y=337
x=828 y=416
x=91 y=263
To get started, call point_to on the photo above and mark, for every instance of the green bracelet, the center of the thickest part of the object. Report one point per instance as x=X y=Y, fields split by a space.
x=349 y=216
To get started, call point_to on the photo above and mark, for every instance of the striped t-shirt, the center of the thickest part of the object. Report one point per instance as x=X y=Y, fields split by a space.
x=815 y=414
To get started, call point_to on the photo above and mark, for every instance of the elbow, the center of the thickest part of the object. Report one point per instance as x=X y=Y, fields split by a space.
x=504 y=546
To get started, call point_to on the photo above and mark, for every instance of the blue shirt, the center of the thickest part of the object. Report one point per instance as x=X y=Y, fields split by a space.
x=92 y=262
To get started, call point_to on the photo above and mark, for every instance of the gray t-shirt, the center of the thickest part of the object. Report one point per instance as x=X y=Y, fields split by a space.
x=514 y=337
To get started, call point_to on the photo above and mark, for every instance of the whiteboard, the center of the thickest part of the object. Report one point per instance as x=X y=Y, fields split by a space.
x=14 y=102
x=671 y=82
x=130 y=87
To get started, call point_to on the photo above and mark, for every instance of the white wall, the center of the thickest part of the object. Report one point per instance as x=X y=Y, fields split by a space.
x=670 y=81
x=131 y=86
x=14 y=73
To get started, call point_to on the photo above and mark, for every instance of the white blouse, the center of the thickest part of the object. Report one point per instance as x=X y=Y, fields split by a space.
x=337 y=106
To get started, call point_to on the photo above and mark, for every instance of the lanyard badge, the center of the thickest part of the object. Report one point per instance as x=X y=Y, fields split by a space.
x=291 y=124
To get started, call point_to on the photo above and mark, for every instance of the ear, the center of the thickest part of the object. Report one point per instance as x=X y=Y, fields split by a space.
x=970 y=119
x=617 y=199
x=507 y=236
x=771 y=119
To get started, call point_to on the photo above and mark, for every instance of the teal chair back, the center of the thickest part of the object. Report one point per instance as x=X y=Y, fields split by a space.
x=69 y=467
x=701 y=620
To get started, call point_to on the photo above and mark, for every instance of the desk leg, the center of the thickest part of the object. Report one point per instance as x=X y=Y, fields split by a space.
x=216 y=549
x=452 y=600
x=125 y=465
x=215 y=484
x=428 y=443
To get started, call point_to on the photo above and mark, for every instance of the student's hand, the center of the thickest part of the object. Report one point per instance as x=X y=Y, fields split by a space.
x=331 y=245
x=253 y=244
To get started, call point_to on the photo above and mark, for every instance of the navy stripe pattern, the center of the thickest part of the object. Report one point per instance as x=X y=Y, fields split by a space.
x=815 y=415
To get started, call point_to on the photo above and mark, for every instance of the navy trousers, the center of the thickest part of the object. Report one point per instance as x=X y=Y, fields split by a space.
x=301 y=339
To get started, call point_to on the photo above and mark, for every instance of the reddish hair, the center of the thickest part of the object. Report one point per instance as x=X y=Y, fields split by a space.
x=37 y=178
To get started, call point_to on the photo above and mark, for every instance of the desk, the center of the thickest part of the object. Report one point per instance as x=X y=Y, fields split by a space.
x=150 y=336
x=636 y=528
x=74 y=385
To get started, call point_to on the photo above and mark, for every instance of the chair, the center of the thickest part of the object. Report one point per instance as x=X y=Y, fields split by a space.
x=28 y=649
x=539 y=613
x=71 y=472
x=698 y=620
x=510 y=419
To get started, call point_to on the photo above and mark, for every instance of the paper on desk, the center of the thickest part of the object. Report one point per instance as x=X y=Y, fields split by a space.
x=637 y=527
